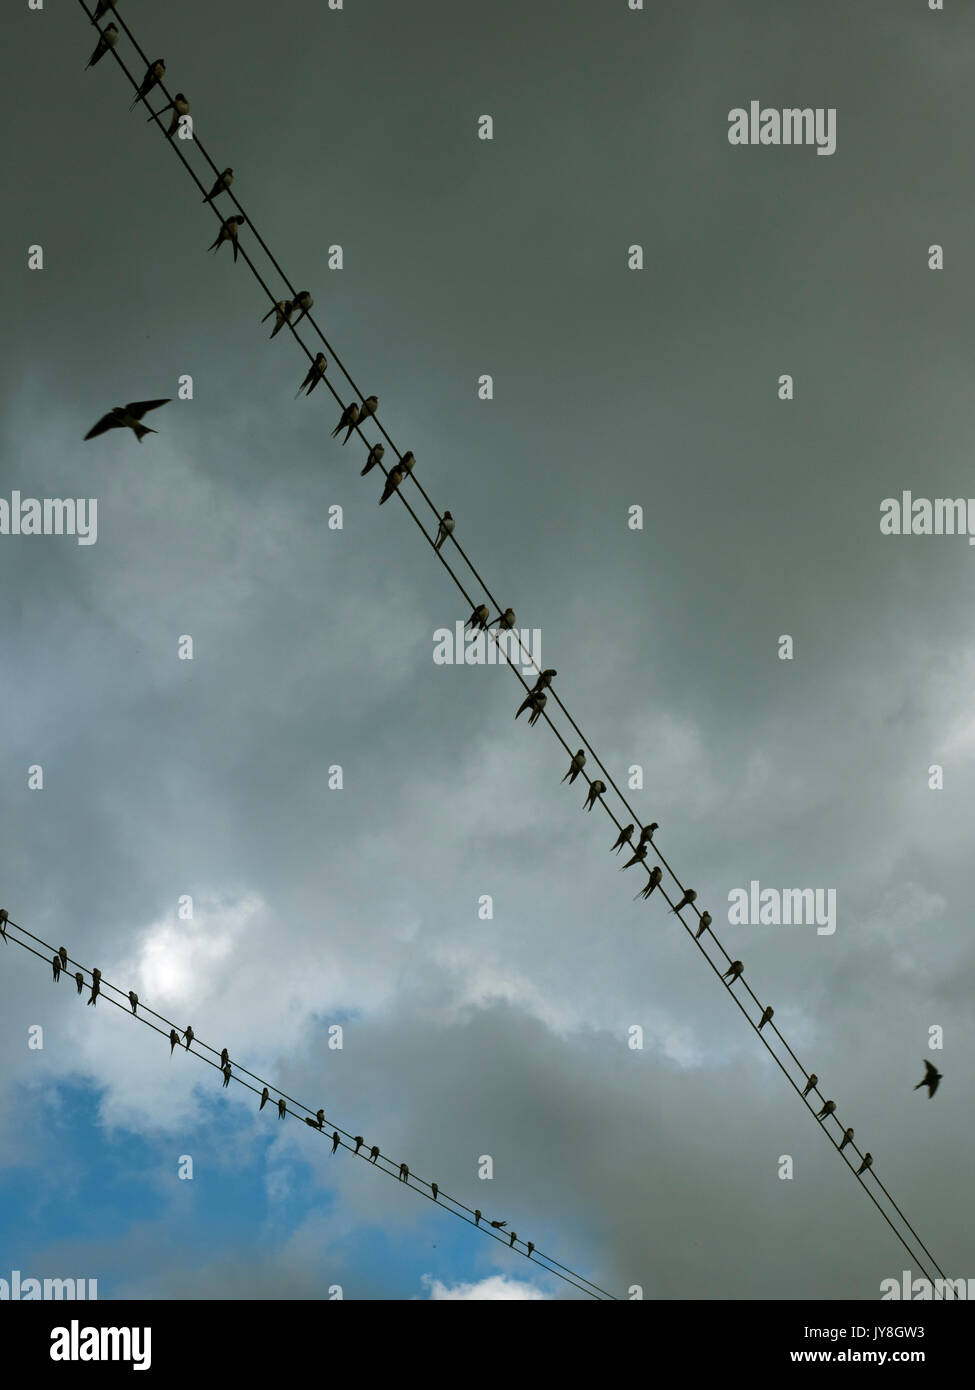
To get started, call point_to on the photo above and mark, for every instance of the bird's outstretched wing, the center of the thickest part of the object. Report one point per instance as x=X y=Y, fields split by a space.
x=107 y=422
x=930 y=1070
x=138 y=408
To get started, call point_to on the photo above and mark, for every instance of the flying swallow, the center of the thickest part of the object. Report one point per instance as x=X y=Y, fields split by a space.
x=129 y=415
x=596 y=788
x=228 y=232
x=434 y=1189
x=375 y=456
x=705 y=923
x=373 y=1153
x=733 y=971
x=847 y=1139
x=154 y=73
x=314 y=374
x=282 y=310
x=282 y=1108
x=445 y=529
x=173 y=1040
x=350 y=418
x=499 y=1225
x=766 y=1017
x=404 y=1173
x=575 y=767
x=639 y=854
x=107 y=39
x=4 y=919
x=811 y=1083
x=79 y=980
x=867 y=1161
x=477 y=1217
x=336 y=1141
x=302 y=301
x=226 y=1073
x=393 y=479
x=545 y=679
x=63 y=953
x=367 y=409
x=505 y=620
x=222 y=184
x=179 y=106
x=531 y=1247
x=265 y=1097
x=931 y=1078
x=686 y=900
x=133 y=1000
x=646 y=834
x=103 y=7
x=188 y=1035
x=656 y=874
x=827 y=1109
x=624 y=837
x=56 y=967
x=359 y=1141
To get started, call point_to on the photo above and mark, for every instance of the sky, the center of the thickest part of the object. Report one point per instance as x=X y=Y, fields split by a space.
x=313 y=648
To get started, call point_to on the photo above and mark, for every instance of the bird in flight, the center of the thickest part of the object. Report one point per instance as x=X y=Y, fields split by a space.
x=154 y=73
x=931 y=1078
x=107 y=39
x=222 y=183
x=228 y=232
x=128 y=415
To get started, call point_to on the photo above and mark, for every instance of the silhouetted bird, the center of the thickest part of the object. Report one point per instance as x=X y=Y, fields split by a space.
x=931 y=1078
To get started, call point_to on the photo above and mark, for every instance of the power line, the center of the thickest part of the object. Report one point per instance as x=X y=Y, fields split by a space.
x=143 y=1014
x=703 y=927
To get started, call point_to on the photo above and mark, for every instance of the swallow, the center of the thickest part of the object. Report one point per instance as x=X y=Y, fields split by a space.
x=228 y=232
x=505 y=620
x=596 y=788
x=445 y=529
x=393 y=479
x=103 y=7
x=827 y=1109
x=646 y=834
x=766 y=1017
x=499 y=1225
x=624 y=837
x=179 y=106
x=733 y=971
x=133 y=1000
x=350 y=418
x=656 y=874
x=310 y=1121
x=222 y=184
x=302 y=301
x=575 y=767
x=639 y=854
x=4 y=919
x=265 y=1097
x=189 y=1035
x=336 y=1141
x=226 y=1073
x=477 y=1217
x=63 y=953
x=314 y=374
x=367 y=409
x=358 y=1143
x=531 y=1247
x=705 y=923
x=79 y=980
x=96 y=976
x=531 y=702
x=686 y=900
x=404 y=1173
x=847 y=1139
x=129 y=415
x=56 y=967
x=545 y=679
x=514 y=1237
x=282 y=1108
x=479 y=617
x=154 y=73
x=434 y=1189
x=224 y=1057
x=107 y=39
x=375 y=456
x=931 y=1078
x=407 y=461
x=811 y=1083
x=173 y=1040
x=867 y=1162
x=373 y=1153
x=282 y=310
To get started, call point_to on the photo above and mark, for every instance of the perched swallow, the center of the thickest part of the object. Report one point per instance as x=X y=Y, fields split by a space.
x=646 y=834
x=133 y=1000
x=375 y=456
x=733 y=971
x=129 y=415
x=639 y=854
x=499 y=1225
x=505 y=620
x=766 y=1017
x=367 y=409
x=373 y=1153
x=173 y=1040
x=336 y=1141
x=624 y=837
x=96 y=976
x=282 y=311
x=179 y=106
x=350 y=418
x=393 y=479
x=434 y=1189
x=445 y=529
x=514 y=1237
x=228 y=232
x=656 y=874
x=302 y=301
x=79 y=980
x=4 y=919
x=265 y=1097
x=575 y=767
x=477 y=1217
x=545 y=679
x=222 y=184
x=811 y=1083
x=224 y=1057
x=705 y=923
x=63 y=953
x=931 y=1078
x=154 y=73
x=478 y=619
x=847 y=1139
x=531 y=1247
x=596 y=788
x=226 y=1073
x=310 y=1121
x=107 y=39
x=56 y=967
x=314 y=374
x=404 y=1173
x=188 y=1035
x=359 y=1141
x=827 y=1109
x=686 y=900
x=867 y=1161
x=282 y=1108
x=536 y=703
x=103 y=7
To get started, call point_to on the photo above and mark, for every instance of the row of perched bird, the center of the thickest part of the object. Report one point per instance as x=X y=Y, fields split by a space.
x=59 y=966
